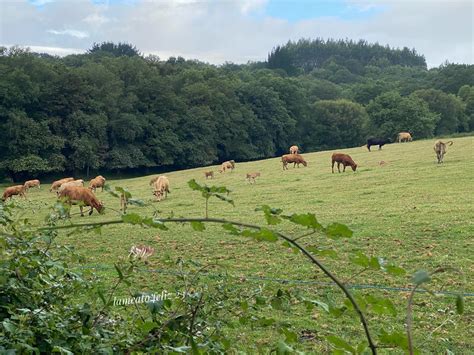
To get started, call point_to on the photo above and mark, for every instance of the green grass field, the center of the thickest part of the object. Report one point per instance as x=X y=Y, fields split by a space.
x=411 y=211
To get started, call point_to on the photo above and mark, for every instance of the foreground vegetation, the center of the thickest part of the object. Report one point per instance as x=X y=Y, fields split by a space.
x=410 y=211
x=113 y=109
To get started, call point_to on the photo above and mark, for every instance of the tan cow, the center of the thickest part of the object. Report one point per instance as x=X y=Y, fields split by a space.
x=32 y=183
x=252 y=176
x=404 y=137
x=294 y=149
x=209 y=174
x=161 y=187
x=440 y=149
x=98 y=181
x=78 y=183
x=227 y=165
x=56 y=184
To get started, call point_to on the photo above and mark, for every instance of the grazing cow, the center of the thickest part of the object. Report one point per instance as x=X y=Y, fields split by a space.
x=227 y=165
x=292 y=158
x=32 y=183
x=56 y=184
x=377 y=141
x=440 y=149
x=82 y=196
x=404 y=137
x=161 y=187
x=79 y=183
x=252 y=176
x=294 y=149
x=343 y=159
x=98 y=181
x=14 y=190
x=209 y=174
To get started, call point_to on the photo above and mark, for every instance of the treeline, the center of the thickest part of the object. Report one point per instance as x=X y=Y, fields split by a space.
x=113 y=109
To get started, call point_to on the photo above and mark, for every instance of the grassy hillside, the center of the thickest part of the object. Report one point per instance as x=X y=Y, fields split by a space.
x=410 y=211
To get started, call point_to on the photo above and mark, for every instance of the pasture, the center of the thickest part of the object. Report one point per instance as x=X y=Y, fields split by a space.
x=410 y=211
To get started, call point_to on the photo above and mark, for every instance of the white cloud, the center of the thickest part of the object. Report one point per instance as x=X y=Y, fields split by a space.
x=73 y=33
x=218 y=31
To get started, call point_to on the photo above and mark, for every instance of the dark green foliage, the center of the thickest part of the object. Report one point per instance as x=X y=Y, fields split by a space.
x=113 y=109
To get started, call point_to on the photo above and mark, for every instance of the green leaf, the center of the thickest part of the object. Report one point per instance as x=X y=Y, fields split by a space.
x=420 y=277
x=194 y=185
x=132 y=218
x=397 y=338
x=307 y=219
x=323 y=252
x=136 y=202
x=266 y=235
x=459 y=304
x=339 y=343
x=282 y=348
x=146 y=327
x=231 y=228
x=198 y=226
x=338 y=230
x=395 y=270
x=360 y=259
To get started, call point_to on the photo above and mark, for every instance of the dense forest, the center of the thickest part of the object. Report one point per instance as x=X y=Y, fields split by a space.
x=114 y=109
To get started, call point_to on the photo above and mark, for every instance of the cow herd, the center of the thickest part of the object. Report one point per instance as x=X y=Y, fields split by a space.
x=72 y=191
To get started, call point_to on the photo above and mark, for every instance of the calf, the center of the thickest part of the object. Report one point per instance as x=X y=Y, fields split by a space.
x=440 y=149
x=252 y=176
x=377 y=141
x=209 y=174
x=343 y=159
x=404 y=137
x=294 y=149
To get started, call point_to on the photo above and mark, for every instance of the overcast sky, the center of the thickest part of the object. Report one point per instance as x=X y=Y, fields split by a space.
x=238 y=31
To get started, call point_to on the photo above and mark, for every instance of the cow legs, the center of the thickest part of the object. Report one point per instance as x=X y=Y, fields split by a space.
x=82 y=213
x=344 y=170
x=368 y=147
x=333 y=166
x=338 y=165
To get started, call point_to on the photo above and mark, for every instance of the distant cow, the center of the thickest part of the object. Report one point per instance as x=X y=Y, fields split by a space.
x=209 y=174
x=440 y=149
x=161 y=187
x=296 y=159
x=98 y=181
x=343 y=159
x=227 y=165
x=252 y=176
x=57 y=184
x=32 y=183
x=404 y=137
x=377 y=141
x=14 y=190
x=294 y=149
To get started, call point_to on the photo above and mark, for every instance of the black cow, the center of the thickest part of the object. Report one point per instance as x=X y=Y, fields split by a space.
x=377 y=141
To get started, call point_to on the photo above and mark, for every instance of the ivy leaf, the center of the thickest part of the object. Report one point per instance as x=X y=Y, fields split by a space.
x=420 y=277
x=198 y=226
x=338 y=230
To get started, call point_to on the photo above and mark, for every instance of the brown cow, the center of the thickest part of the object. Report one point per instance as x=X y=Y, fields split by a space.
x=79 y=182
x=14 y=190
x=82 y=196
x=440 y=149
x=252 y=176
x=56 y=184
x=98 y=181
x=294 y=149
x=343 y=159
x=32 y=183
x=292 y=158
x=404 y=137
x=209 y=174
